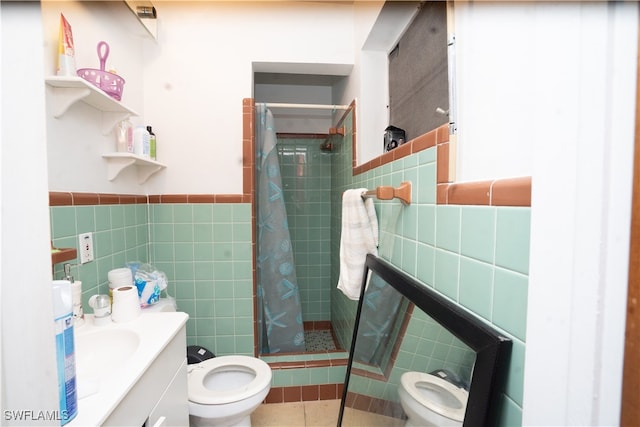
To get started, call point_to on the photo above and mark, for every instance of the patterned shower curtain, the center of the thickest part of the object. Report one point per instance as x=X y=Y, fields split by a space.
x=380 y=317
x=279 y=312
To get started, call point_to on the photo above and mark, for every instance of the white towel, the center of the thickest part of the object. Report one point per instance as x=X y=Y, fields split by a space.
x=359 y=238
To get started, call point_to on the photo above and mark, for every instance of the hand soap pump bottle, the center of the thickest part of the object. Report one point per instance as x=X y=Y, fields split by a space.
x=76 y=297
x=65 y=350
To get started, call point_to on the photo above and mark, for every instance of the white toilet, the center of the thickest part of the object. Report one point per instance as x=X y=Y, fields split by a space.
x=429 y=400
x=224 y=390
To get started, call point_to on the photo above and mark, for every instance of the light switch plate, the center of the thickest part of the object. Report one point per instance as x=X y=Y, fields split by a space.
x=86 y=247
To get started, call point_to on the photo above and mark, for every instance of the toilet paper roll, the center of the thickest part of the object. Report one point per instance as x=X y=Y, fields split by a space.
x=120 y=277
x=126 y=305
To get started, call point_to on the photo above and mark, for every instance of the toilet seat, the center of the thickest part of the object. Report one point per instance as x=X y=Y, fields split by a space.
x=198 y=373
x=454 y=409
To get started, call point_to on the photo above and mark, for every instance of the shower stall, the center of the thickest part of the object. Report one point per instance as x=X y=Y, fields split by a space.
x=305 y=169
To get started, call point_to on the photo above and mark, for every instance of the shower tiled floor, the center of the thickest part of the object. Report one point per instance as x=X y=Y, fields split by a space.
x=319 y=340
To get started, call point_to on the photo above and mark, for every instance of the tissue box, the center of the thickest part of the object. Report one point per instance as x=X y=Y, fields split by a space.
x=148 y=292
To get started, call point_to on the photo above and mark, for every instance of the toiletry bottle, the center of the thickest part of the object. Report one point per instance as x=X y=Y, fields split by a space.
x=129 y=136
x=65 y=351
x=76 y=297
x=124 y=137
x=141 y=142
x=152 y=143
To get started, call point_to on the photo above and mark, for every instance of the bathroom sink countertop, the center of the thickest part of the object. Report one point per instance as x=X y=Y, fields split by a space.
x=110 y=359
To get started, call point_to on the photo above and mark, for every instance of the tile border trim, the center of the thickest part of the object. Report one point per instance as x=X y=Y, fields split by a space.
x=304 y=393
x=60 y=198
x=499 y=192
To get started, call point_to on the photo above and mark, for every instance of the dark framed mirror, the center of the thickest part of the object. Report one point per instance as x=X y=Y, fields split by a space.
x=418 y=359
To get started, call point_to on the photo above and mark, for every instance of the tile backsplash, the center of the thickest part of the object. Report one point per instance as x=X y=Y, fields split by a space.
x=120 y=234
x=206 y=250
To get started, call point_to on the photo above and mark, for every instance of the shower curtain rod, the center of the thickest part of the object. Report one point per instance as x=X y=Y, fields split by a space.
x=308 y=106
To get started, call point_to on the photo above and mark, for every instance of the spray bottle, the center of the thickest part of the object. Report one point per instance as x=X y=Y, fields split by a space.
x=65 y=351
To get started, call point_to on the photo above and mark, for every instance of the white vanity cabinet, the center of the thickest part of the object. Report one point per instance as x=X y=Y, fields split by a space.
x=132 y=373
x=159 y=398
x=171 y=408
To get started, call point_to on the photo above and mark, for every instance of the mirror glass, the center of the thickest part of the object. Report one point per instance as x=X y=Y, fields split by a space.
x=409 y=341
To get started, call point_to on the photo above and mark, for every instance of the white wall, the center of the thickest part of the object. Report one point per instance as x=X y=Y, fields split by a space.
x=28 y=372
x=548 y=90
x=201 y=68
x=580 y=245
x=494 y=68
x=189 y=83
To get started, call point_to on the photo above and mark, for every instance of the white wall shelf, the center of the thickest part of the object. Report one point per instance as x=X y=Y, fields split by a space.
x=117 y=162
x=69 y=90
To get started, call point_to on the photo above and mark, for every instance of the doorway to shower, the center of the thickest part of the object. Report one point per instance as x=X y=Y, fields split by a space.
x=303 y=116
x=293 y=210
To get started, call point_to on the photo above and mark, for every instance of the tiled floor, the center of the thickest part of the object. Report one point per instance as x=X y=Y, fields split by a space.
x=318 y=413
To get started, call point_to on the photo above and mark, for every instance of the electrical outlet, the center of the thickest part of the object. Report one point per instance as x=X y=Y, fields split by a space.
x=86 y=247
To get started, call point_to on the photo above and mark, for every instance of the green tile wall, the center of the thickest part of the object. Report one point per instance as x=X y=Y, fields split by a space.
x=205 y=250
x=306 y=178
x=477 y=256
x=308 y=376
x=120 y=234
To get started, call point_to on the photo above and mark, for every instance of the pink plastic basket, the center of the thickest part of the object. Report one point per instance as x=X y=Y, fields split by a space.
x=112 y=84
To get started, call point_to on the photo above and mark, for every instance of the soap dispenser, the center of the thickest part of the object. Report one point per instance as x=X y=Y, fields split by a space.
x=76 y=296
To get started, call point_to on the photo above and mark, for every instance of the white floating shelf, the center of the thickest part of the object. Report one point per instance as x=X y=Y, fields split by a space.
x=69 y=90
x=117 y=162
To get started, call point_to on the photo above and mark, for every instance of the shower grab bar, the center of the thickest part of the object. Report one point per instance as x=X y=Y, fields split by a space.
x=384 y=192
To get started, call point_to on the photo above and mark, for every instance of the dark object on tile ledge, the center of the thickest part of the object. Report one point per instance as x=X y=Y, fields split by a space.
x=393 y=137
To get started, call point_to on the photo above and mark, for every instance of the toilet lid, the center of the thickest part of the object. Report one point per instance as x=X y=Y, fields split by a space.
x=456 y=398
x=199 y=393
